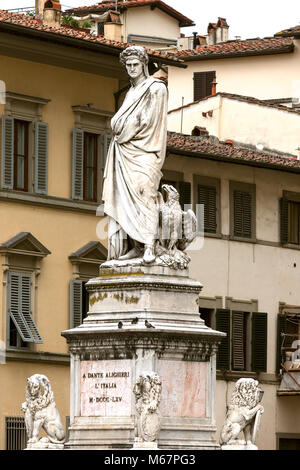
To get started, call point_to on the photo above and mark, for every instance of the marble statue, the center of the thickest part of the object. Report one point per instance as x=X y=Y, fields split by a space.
x=243 y=415
x=147 y=391
x=133 y=168
x=41 y=412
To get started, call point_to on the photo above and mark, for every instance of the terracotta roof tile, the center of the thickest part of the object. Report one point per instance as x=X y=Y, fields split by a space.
x=123 y=5
x=237 y=48
x=203 y=146
x=245 y=99
x=30 y=22
x=294 y=31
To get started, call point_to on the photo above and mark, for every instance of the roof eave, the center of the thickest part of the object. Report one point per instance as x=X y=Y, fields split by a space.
x=226 y=159
x=77 y=42
x=286 y=49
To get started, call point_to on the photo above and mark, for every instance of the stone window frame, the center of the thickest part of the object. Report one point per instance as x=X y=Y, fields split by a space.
x=94 y=121
x=30 y=109
x=82 y=263
x=24 y=262
x=250 y=188
x=215 y=182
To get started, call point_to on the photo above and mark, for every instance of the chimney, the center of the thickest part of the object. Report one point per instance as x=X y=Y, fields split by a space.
x=52 y=14
x=214 y=87
x=113 y=27
x=217 y=32
x=195 y=41
x=39 y=8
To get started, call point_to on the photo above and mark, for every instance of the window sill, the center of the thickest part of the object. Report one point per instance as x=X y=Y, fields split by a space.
x=48 y=201
x=242 y=239
x=21 y=355
x=262 y=377
x=291 y=246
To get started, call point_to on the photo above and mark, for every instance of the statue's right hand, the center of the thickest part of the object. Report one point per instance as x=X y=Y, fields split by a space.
x=24 y=406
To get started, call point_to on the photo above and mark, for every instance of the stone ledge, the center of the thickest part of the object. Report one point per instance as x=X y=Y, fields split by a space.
x=43 y=357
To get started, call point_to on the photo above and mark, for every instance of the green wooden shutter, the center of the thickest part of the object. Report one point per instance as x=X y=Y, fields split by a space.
x=19 y=306
x=223 y=324
x=76 y=287
x=284 y=221
x=238 y=341
x=41 y=157
x=7 y=153
x=207 y=195
x=242 y=212
x=77 y=164
x=281 y=328
x=259 y=341
x=184 y=189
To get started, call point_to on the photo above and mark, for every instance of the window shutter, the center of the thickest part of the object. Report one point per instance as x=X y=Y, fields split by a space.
x=238 y=341
x=281 y=328
x=223 y=324
x=41 y=157
x=284 y=221
x=76 y=287
x=242 y=210
x=77 y=164
x=207 y=195
x=259 y=341
x=19 y=305
x=203 y=84
x=184 y=189
x=7 y=157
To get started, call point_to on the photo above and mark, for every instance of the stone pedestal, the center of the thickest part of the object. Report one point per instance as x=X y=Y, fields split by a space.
x=142 y=319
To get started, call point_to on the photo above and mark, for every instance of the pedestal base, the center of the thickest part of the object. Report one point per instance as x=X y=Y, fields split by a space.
x=239 y=445
x=142 y=319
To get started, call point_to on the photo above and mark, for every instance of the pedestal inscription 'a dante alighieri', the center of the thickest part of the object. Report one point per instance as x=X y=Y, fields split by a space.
x=143 y=227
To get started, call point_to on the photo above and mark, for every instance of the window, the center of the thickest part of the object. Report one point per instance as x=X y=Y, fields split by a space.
x=287 y=441
x=100 y=27
x=22 y=256
x=22 y=328
x=242 y=211
x=290 y=218
x=90 y=143
x=245 y=346
x=175 y=178
x=203 y=84
x=20 y=155
x=288 y=331
x=15 y=430
x=90 y=167
x=207 y=192
x=86 y=261
x=24 y=154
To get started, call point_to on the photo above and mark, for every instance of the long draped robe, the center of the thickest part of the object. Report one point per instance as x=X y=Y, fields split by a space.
x=133 y=167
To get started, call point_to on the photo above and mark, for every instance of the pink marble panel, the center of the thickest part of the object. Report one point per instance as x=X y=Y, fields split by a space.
x=183 y=388
x=106 y=388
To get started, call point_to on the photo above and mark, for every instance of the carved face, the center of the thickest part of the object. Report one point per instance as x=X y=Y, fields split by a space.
x=134 y=67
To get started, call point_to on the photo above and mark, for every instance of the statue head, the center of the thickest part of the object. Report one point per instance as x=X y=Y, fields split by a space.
x=135 y=60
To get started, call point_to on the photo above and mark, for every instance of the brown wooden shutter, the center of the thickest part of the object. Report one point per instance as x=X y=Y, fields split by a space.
x=259 y=341
x=242 y=213
x=203 y=84
x=281 y=328
x=207 y=195
x=238 y=341
x=184 y=189
x=284 y=221
x=223 y=324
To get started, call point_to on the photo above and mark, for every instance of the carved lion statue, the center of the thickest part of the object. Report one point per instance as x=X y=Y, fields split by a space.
x=243 y=407
x=41 y=412
x=147 y=392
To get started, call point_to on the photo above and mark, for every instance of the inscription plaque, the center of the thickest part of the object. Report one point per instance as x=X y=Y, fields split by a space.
x=106 y=388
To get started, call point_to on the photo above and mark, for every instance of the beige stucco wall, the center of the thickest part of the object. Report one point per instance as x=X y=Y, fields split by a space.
x=266 y=76
x=146 y=22
x=243 y=122
x=61 y=231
